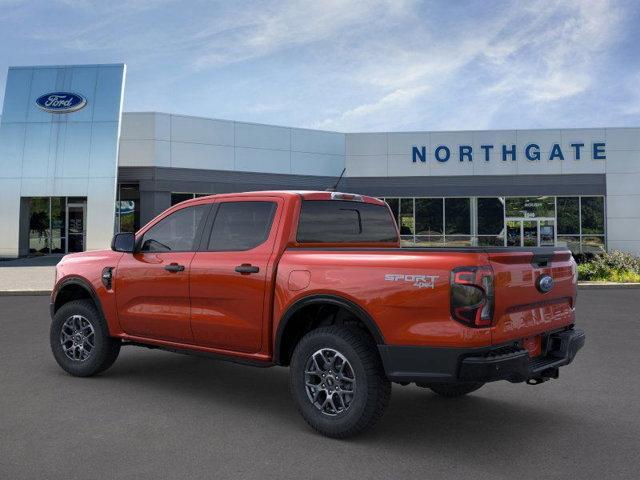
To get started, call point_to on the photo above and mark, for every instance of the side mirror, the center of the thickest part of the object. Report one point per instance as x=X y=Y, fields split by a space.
x=123 y=242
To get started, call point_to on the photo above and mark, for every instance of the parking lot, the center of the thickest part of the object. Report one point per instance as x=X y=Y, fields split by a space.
x=157 y=415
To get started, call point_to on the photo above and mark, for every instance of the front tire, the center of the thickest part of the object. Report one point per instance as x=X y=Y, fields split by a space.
x=337 y=381
x=80 y=339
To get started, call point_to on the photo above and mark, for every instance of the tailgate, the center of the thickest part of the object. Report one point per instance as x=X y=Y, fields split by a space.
x=522 y=306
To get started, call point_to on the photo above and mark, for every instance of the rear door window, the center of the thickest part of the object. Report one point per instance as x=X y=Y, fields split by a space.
x=337 y=221
x=241 y=225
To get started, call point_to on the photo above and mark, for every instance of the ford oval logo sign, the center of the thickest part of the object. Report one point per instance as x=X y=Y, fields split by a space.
x=544 y=283
x=61 y=102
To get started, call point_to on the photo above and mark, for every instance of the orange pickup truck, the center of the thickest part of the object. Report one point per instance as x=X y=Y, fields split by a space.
x=316 y=281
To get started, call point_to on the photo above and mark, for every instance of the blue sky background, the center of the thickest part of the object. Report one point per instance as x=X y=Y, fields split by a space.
x=351 y=65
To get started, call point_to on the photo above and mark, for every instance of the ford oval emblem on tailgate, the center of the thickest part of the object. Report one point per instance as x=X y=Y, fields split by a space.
x=544 y=283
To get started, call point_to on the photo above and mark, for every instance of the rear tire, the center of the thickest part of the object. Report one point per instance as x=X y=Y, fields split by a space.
x=80 y=339
x=452 y=390
x=337 y=381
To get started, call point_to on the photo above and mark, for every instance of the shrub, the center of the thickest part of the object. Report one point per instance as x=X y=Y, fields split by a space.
x=614 y=266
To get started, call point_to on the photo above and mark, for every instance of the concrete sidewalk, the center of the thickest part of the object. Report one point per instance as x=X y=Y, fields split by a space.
x=28 y=276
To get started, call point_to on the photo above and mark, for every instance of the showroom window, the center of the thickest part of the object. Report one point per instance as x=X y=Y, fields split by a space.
x=574 y=222
x=57 y=224
x=433 y=222
x=177 y=197
x=429 y=222
x=581 y=223
x=490 y=221
x=128 y=208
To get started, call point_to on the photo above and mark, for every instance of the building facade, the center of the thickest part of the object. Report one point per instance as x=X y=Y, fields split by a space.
x=568 y=187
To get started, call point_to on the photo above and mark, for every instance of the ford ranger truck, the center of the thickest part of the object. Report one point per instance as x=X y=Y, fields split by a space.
x=317 y=281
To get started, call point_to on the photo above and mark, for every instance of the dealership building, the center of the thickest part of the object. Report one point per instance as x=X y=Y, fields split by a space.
x=75 y=168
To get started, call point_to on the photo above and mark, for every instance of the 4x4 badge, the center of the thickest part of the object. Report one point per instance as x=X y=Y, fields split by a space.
x=418 y=281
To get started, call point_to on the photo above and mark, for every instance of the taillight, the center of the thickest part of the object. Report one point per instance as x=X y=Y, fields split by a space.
x=472 y=295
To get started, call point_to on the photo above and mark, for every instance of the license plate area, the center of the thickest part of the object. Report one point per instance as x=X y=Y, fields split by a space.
x=533 y=345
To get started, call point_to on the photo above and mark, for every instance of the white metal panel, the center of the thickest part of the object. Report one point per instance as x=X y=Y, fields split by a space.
x=201 y=130
x=366 y=144
x=140 y=153
x=10 y=201
x=74 y=150
x=623 y=161
x=100 y=212
x=16 y=105
x=103 y=149
x=315 y=141
x=402 y=165
x=198 y=155
x=623 y=138
x=366 y=165
x=262 y=136
x=303 y=163
x=263 y=160
x=401 y=143
x=11 y=149
x=138 y=126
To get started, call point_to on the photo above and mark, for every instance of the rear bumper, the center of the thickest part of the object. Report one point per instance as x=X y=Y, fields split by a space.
x=507 y=362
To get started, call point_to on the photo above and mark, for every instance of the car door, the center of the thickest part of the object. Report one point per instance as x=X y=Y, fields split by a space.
x=229 y=274
x=152 y=284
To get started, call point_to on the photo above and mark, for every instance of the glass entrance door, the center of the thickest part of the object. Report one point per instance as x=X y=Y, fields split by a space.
x=76 y=227
x=527 y=232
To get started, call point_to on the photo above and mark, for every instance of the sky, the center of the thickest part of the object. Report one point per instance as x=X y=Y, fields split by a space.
x=349 y=65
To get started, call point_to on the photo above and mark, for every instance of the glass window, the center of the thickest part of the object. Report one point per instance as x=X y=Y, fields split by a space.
x=570 y=242
x=592 y=215
x=241 y=225
x=429 y=219
x=336 y=221
x=177 y=232
x=128 y=208
x=547 y=233
x=593 y=244
x=407 y=221
x=530 y=207
x=429 y=241
x=458 y=241
x=180 y=197
x=568 y=216
x=39 y=225
x=490 y=216
x=457 y=214
x=490 y=241
x=394 y=205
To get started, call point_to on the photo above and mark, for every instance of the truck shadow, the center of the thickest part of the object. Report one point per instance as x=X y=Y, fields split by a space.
x=415 y=418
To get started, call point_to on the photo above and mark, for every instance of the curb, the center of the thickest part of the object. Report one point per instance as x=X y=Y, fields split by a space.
x=606 y=286
x=23 y=293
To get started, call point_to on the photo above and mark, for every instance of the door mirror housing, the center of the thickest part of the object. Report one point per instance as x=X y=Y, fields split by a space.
x=123 y=242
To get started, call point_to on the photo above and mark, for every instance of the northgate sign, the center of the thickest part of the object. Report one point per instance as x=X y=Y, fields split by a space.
x=531 y=152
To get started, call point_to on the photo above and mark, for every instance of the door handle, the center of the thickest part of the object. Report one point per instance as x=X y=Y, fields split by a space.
x=247 y=268
x=174 y=267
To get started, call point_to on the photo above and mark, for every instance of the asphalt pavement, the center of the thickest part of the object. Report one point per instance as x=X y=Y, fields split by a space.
x=158 y=415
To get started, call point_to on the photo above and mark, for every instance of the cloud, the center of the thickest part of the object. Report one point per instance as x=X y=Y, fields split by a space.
x=539 y=54
x=350 y=65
